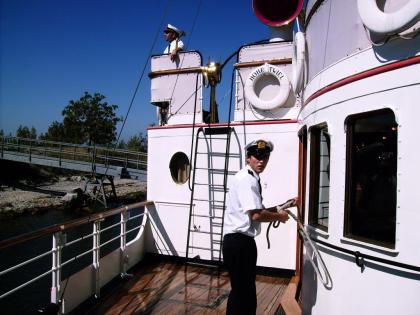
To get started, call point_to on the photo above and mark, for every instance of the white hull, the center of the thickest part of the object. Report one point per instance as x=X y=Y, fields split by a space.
x=355 y=78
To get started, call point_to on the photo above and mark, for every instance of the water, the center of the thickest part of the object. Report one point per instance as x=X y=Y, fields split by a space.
x=29 y=299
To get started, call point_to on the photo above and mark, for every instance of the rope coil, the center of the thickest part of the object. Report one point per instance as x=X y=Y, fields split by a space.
x=315 y=259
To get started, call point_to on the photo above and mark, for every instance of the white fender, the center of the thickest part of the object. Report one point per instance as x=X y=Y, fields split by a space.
x=388 y=23
x=258 y=74
x=298 y=62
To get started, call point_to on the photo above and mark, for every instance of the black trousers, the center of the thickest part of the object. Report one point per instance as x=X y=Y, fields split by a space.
x=240 y=258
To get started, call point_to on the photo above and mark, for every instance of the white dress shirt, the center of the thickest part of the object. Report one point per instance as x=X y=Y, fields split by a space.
x=244 y=195
x=172 y=45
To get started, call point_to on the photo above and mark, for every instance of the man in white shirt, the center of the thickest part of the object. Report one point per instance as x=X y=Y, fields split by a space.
x=244 y=214
x=172 y=36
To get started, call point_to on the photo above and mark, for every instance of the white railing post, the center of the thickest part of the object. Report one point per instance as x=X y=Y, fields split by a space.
x=123 y=243
x=58 y=242
x=96 y=257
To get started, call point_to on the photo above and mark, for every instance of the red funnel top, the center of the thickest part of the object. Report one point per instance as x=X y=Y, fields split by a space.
x=276 y=12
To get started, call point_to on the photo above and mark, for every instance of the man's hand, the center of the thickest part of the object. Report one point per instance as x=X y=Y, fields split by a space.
x=283 y=216
x=289 y=203
x=174 y=55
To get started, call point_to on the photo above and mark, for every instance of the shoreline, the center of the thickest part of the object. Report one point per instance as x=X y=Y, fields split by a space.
x=20 y=198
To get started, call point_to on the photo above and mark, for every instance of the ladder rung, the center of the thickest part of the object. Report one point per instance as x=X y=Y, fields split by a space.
x=217 y=185
x=212 y=153
x=220 y=171
x=205 y=232
x=219 y=189
x=210 y=185
x=206 y=200
x=221 y=154
x=213 y=187
x=213 y=138
x=205 y=216
x=204 y=248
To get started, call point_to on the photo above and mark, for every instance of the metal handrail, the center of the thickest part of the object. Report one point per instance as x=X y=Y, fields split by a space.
x=73 y=152
x=70 y=224
x=58 y=243
x=3 y=272
x=25 y=284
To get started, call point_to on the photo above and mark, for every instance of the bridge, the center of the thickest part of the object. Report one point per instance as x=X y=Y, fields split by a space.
x=102 y=163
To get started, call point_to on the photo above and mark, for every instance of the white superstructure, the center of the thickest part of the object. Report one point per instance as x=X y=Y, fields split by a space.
x=361 y=97
x=172 y=147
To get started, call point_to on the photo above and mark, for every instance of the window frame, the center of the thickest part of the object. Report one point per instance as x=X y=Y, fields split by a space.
x=350 y=178
x=314 y=176
x=176 y=164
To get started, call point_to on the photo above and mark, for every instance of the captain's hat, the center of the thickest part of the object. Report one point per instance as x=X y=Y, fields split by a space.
x=173 y=29
x=259 y=146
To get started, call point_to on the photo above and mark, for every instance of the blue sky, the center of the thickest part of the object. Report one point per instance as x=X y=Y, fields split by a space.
x=51 y=51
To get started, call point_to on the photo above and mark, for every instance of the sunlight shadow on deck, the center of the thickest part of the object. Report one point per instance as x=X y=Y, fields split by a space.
x=160 y=232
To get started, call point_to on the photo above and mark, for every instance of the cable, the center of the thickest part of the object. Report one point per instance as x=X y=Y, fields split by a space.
x=144 y=68
x=140 y=78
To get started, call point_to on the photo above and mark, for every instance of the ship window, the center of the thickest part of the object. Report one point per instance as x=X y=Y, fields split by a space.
x=319 y=195
x=179 y=167
x=371 y=178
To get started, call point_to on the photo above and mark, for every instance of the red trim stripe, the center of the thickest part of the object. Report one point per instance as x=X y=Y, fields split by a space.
x=363 y=75
x=247 y=123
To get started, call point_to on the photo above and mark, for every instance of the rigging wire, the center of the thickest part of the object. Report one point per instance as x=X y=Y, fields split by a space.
x=168 y=4
x=165 y=12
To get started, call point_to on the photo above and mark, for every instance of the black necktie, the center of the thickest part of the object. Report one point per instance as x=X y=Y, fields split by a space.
x=259 y=183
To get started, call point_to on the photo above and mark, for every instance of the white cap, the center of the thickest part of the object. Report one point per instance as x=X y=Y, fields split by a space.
x=174 y=29
x=260 y=145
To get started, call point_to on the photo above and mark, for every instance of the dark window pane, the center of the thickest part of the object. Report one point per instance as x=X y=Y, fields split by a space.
x=371 y=180
x=319 y=177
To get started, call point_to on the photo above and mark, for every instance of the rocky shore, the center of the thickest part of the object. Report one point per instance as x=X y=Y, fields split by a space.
x=23 y=198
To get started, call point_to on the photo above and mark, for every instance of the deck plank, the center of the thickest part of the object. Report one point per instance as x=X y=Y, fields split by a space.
x=170 y=288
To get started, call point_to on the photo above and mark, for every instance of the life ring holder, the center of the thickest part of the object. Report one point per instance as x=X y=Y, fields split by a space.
x=388 y=23
x=258 y=74
x=298 y=62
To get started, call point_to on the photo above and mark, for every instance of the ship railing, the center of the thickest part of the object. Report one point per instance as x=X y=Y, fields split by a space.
x=125 y=224
x=62 y=151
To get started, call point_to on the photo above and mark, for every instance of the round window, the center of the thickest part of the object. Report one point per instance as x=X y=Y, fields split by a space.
x=179 y=167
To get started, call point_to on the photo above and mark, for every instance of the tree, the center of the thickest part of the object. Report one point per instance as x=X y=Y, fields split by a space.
x=55 y=132
x=90 y=120
x=137 y=143
x=24 y=132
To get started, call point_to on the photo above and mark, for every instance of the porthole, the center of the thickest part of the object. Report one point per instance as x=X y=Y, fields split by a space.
x=179 y=167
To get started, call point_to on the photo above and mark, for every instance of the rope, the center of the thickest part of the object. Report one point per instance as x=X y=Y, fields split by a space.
x=325 y=278
x=275 y=224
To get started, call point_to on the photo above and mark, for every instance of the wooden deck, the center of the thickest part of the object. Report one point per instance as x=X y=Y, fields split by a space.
x=165 y=288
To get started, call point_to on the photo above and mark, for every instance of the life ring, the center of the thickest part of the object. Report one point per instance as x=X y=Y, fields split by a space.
x=298 y=62
x=388 y=23
x=258 y=74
